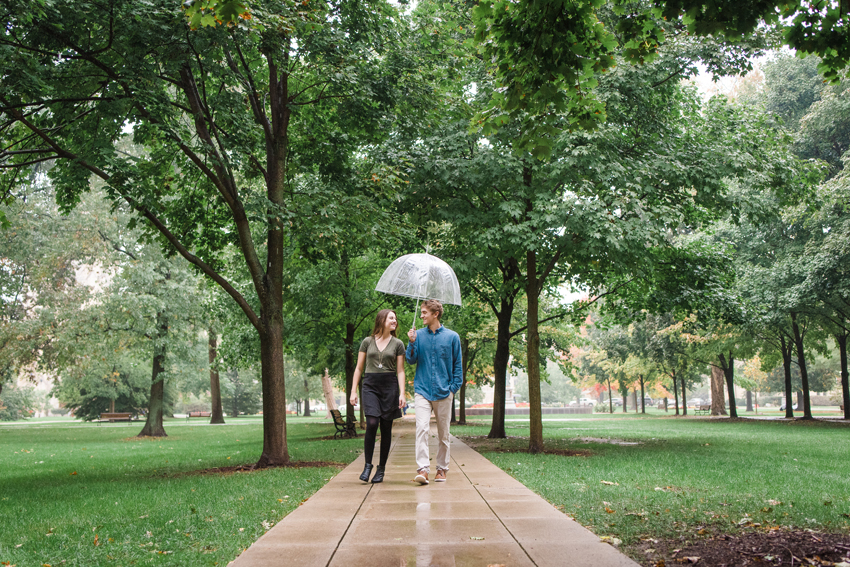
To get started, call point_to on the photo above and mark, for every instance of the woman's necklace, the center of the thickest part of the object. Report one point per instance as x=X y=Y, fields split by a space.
x=380 y=354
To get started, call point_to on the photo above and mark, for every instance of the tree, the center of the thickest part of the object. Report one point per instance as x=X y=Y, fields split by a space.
x=241 y=392
x=551 y=55
x=303 y=385
x=225 y=118
x=16 y=403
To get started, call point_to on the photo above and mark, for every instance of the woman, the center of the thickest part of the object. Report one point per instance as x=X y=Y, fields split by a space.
x=382 y=354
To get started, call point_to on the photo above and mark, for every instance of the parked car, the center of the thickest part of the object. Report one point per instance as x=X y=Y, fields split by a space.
x=583 y=402
x=615 y=401
x=782 y=406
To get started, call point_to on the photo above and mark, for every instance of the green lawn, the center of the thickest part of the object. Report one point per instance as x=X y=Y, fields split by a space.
x=682 y=475
x=131 y=503
x=81 y=495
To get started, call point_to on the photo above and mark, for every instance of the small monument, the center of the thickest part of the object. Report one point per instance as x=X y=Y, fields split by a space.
x=509 y=397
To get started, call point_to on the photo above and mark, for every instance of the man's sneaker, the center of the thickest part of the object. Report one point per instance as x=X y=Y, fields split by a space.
x=441 y=476
x=421 y=477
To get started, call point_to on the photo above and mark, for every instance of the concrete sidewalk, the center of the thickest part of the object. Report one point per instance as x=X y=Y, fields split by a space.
x=480 y=517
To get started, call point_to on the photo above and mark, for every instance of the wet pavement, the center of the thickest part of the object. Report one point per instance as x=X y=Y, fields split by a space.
x=480 y=517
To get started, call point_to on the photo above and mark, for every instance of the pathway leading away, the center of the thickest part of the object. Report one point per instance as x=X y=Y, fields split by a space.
x=480 y=517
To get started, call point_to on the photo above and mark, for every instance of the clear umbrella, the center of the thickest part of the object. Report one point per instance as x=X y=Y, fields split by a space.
x=420 y=276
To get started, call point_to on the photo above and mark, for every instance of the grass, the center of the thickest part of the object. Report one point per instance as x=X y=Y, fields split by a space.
x=136 y=502
x=81 y=495
x=683 y=477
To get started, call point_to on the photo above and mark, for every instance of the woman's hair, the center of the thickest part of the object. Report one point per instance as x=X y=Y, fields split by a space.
x=434 y=306
x=381 y=320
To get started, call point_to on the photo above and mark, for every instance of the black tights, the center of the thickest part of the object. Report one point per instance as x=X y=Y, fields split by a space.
x=372 y=423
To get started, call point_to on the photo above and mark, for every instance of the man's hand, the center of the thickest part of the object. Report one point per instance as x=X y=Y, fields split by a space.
x=411 y=334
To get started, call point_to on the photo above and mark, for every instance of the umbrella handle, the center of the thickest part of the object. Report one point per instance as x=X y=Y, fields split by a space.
x=413 y=325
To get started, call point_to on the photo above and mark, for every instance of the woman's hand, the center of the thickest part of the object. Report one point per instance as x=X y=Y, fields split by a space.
x=401 y=402
x=353 y=399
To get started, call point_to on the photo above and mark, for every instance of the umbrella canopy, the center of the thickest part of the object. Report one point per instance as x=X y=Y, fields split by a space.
x=421 y=276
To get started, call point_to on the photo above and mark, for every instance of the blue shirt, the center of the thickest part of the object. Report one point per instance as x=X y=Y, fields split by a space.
x=437 y=356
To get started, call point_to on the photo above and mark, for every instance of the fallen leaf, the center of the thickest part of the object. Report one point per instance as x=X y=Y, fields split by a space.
x=692 y=559
x=609 y=510
x=96 y=542
x=73 y=473
x=476 y=538
x=774 y=502
x=610 y=483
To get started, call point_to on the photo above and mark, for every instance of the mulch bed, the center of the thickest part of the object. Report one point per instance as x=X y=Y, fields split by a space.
x=480 y=443
x=792 y=548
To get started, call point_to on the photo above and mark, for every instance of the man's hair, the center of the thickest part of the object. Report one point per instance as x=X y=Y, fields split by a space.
x=434 y=306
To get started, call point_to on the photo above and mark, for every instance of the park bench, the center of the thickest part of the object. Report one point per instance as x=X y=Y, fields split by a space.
x=340 y=424
x=198 y=414
x=703 y=409
x=116 y=416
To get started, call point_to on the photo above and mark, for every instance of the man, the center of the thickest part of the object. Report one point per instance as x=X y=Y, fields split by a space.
x=435 y=350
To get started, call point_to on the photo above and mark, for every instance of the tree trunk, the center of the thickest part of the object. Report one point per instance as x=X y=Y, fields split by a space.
x=464 y=352
x=841 y=340
x=328 y=392
x=236 y=392
x=275 y=450
x=306 y=399
x=462 y=418
x=684 y=397
x=112 y=405
x=634 y=398
x=153 y=424
x=718 y=406
x=535 y=408
x=801 y=361
x=610 y=398
x=749 y=401
x=675 y=391
x=787 y=348
x=728 y=366
x=350 y=365
x=500 y=369
x=216 y=411
x=642 y=395
x=454 y=410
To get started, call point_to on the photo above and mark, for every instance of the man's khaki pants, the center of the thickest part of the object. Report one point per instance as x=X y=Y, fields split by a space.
x=443 y=414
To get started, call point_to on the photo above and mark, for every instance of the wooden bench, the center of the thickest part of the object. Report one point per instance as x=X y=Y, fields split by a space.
x=340 y=424
x=116 y=416
x=703 y=409
x=198 y=414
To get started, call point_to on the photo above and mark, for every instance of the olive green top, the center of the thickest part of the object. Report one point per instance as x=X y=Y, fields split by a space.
x=381 y=361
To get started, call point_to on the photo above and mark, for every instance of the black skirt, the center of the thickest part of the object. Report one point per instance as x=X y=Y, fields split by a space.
x=380 y=395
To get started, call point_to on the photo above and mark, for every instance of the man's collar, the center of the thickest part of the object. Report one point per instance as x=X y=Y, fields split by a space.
x=439 y=329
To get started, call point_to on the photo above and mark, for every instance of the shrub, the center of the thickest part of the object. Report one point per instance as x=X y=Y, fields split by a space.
x=16 y=403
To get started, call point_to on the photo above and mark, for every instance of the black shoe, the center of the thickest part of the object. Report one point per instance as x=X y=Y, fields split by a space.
x=379 y=475
x=367 y=470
